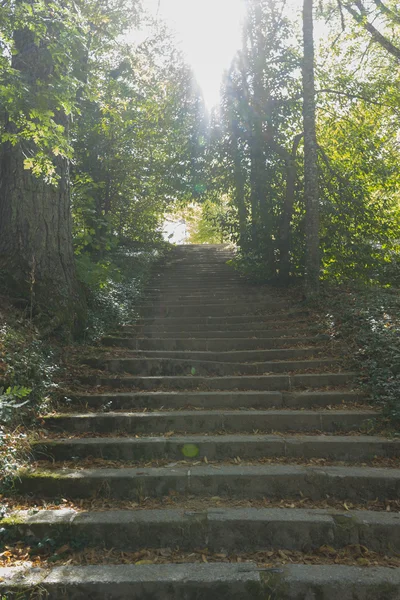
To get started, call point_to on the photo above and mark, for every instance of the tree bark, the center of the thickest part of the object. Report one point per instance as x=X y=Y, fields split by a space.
x=36 y=253
x=311 y=188
x=239 y=180
x=287 y=213
x=257 y=176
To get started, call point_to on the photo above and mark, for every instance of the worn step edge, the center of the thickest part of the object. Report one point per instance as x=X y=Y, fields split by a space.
x=204 y=309
x=225 y=400
x=202 y=582
x=288 y=314
x=232 y=329
x=359 y=484
x=219 y=529
x=177 y=366
x=243 y=356
x=259 y=332
x=337 y=448
x=242 y=382
x=207 y=421
x=173 y=301
x=209 y=344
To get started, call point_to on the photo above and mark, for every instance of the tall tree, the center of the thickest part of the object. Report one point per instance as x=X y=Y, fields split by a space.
x=51 y=45
x=311 y=186
x=36 y=255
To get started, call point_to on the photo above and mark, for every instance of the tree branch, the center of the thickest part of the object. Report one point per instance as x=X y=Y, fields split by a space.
x=362 y=19
x=348 y=95
x=394 y=16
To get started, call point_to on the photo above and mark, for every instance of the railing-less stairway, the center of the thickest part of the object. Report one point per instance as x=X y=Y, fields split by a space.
x=225 y=454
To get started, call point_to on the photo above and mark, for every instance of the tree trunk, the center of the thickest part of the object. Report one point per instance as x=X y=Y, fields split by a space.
x=36 y=254
x=256 y=181
x=287 y=213
x=311 y=189
x=239 y=180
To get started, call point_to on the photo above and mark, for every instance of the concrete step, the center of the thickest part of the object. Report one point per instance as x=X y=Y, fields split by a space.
x=169 y=300
x=204 y=581
x=249 y=333
x=247 y=291
x=212 y=421
x=217 y=529
x=210 y=344
x=207 y=258
x=199 y=281
x=214 y=400
x=194 y=272
x=196 y=447
x=277 y=317
x=179 y=366
x=163 y=325
x=239 y=383
x=206 y=310
x=186 y=287
x=208 y=297
x=240 y=356
x=356 y=484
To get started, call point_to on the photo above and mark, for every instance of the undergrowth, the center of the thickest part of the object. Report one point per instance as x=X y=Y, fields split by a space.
x=367 y=320
x=28 y=366
x=32 y=369
x=115 y=284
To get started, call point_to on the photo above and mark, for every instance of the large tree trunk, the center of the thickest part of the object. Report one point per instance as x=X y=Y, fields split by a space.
x=36 y=254
x=311 y=189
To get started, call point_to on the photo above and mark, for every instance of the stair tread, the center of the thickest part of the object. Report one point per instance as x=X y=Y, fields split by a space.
x=200 y=314
x=225 y=470
x=229 y=438
x=203 y=413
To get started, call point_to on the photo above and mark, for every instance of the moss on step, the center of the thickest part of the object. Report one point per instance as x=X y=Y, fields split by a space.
x=38 y=474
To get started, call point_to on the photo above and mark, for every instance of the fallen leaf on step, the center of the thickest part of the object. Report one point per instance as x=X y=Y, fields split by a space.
x=63 y=549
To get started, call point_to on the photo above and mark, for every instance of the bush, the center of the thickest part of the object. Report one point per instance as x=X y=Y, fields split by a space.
x=115 y=284
x=368 y=319
x=27 y=370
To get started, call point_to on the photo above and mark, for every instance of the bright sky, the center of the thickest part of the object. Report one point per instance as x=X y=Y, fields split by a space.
x=210 y=34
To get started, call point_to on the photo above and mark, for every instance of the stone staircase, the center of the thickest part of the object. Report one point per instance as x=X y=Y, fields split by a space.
x=223 y=454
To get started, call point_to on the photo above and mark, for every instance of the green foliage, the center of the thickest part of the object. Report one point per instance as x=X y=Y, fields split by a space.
x=28 y=367
x=253 y=265
x=252 y=136
x=367 y=318
x=205 y=222
x=138 y=148
x=114 y=286
x=41 y=99
x=252 y=140
x=10 y=400
x=27 y=363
